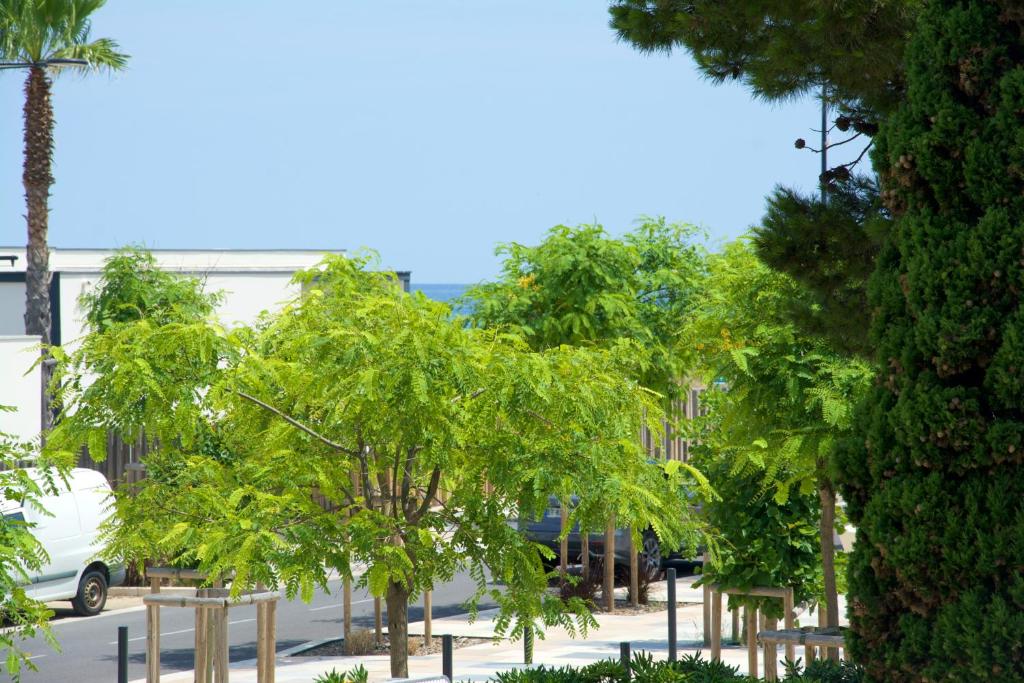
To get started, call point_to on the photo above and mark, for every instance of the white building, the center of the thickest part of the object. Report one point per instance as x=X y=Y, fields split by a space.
x=251 y=280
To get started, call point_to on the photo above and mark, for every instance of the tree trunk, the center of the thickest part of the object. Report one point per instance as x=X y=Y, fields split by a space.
x=828 y=563
x=37 y=178
x=398 y=629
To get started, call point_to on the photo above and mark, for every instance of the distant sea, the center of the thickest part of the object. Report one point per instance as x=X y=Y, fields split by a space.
x=442 y=292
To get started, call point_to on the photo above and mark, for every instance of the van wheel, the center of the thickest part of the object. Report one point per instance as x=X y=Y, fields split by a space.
x=92 y=594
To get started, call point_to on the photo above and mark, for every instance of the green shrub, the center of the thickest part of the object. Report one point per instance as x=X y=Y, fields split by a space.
x=761 y=542
x=357 y=674
x=689 y=669
x=935 y=478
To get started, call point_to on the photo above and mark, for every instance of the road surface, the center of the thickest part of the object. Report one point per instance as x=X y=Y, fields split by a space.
x=89 y=645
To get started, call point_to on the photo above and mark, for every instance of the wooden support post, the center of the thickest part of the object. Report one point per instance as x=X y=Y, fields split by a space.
x=271 y=640
x=771 y=657
x=752 y=641
x=201 y=650
x=261 y=642
x=788 y=623
x=222 y=649
x=808 y=653
x=707 y=611
x=428 y=619
x=608 y=591
x=735 y=629
x=378 y=622
x=585 y=554
x=634 y=573
x=153 y=636
x=346 y=600
x=716 y=624
x=210 y=616
x=563 y=544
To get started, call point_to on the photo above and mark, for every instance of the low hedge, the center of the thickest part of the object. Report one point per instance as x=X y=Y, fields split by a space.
x=689 y=669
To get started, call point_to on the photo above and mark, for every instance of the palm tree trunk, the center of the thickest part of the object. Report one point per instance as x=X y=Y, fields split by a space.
x=398 y=629
x=37 y=178
x=828 y=557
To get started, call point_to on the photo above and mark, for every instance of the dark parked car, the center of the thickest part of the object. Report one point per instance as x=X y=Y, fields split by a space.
x=652 y=561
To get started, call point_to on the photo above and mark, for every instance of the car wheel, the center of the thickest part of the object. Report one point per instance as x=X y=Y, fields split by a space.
x=650 y=557
x=92 y=594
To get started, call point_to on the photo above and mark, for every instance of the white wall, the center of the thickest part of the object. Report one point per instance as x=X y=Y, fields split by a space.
x=12 y=308
x=246 y=295
x=18 y=390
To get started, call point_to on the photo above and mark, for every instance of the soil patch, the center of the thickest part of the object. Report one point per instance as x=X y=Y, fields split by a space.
x=626 y=607
x=336 y=648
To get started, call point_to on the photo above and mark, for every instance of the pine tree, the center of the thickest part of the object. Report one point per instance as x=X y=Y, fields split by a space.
x=935 y=480
x=782 y=49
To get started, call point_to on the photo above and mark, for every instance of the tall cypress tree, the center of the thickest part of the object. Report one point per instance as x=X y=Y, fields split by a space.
x=935 y=482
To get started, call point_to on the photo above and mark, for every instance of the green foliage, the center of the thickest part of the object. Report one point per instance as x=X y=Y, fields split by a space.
x=33 y=31
x=781 y=49
x=357 y=674
x=21 y=554
x=375 y=400
x=789 y=395
x=830 y=250
x=764 y=542
x=580 y=286
x=689 y=669
x=935 y=475
x=132 y=287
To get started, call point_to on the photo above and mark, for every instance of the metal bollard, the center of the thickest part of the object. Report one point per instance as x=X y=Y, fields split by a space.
x=122 y=654
x=626 y=659
x=446 y=657
x=671 y=577
x=528 y=644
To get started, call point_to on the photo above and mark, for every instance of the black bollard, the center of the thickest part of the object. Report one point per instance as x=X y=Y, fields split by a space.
x=626 y=658
x=446 y=657
x=122 y=654
x=528 y=644
x=671 y=576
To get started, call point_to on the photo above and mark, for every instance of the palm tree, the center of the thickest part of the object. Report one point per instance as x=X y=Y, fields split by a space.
x=43 y=36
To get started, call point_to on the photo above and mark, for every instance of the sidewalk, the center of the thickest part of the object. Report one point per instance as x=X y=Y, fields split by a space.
x=479 y=662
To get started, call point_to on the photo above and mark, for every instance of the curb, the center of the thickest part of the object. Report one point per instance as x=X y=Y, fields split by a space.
x=140 y=591
x=308 y=645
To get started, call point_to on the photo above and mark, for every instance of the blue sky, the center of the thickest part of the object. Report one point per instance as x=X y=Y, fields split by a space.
x=429 y=131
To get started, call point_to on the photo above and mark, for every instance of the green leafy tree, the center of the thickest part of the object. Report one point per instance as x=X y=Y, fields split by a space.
x=789 y=396
x=762 y=541
x=20 y=553
x=41 y=35
x=132 y=287
x=583 y=287
x=376 y=401
x=934 y=478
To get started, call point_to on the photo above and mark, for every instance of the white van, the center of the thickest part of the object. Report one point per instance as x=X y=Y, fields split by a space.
x=69 y=535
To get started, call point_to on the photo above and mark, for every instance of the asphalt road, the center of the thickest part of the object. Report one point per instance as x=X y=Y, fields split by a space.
x=89 y=645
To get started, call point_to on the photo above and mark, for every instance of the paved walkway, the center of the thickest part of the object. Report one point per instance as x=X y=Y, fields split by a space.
x=479 y=662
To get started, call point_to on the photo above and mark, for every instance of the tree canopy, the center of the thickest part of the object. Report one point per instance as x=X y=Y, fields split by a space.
x=935 y=476
x=782 y=48
x=392 y=412
x=21 y=556
x=784 y=398
x=583 y=287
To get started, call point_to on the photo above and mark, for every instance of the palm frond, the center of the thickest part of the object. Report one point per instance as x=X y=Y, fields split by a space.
x=34 y=31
